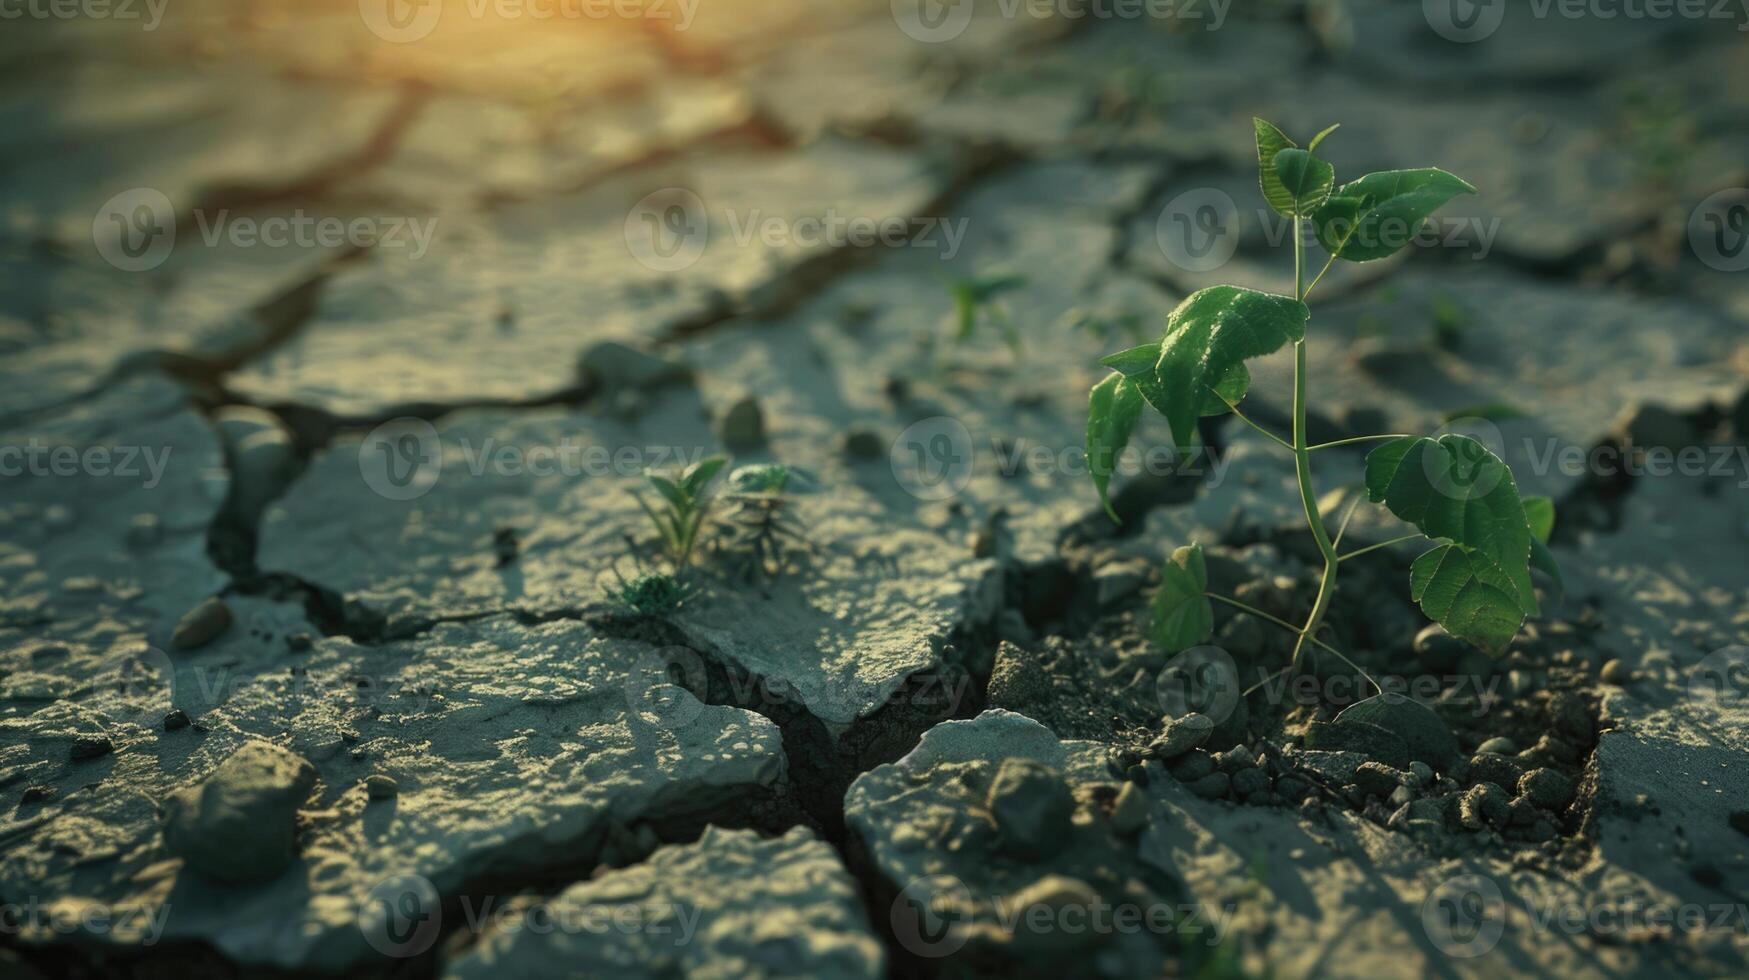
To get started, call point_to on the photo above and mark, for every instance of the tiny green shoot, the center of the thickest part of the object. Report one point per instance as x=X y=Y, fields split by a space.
x=762 y=520
x=1475 y=579
x=682 y=506
x=978 y=298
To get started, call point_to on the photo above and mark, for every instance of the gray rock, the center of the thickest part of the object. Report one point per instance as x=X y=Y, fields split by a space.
x=1485 y=805
x=175 y=719
x=1377 y=779
x=239 y=825
x=1427 y=737
x=1181 y=735
x=1498 y=745
x=742 y=426
x=1032 y=806
x=1129 y=812
x=698 y=911
x=1234 y=759
x=202 y=625
x=1191 y=766
x=380 y=787
x=1499 y=769
x=614 y=365
x=1213 y=786
x=865 y=444
x=1547 y=788
x=1247 y=782
x=90 y=747
x=1615 y=672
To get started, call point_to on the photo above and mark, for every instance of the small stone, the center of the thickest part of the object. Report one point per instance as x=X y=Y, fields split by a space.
x=1235 y=759
x=1129 y=812
x=1293 y=788
x=1485 y=805
x=1549 y=750
x=380 y=787
x=1032 y=806
x=1426 y=735
x=1498 y=745
x=1706 y=874
x=1490 y=768
x=90 y=747
x=864 y=444
x=1191 y=766
x=175 y=719
x=1213 y=786
x=1401 y=795
x=299 y=642
x=1438 y=650
x=1249 y=782
x=1422 y=772
x=239 y=824
x=36 y=794
x=1615 y=672
x=1181 y=735
x=1547 y=788
x=616 y=366
x=1040 y=906
x=743 y=426
x=1523 y=812
x=1377 y=779
x=202 y=625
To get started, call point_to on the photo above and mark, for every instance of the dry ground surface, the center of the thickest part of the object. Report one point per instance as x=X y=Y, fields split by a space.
x=334 y=342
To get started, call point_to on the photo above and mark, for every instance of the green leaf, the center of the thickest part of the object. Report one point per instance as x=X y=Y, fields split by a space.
x=1313 y=145
x=1376 y=215
x=699 y=474
x=1307 y=180
x=1137 y=366
x=1271 y=141
x=668 y=489
x=1454 y=490
x=1539 y=513
x=1113 y=407
x=1183 y=616
x=1208 y=337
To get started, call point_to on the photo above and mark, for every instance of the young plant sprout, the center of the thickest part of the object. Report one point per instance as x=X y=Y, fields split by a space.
x=1475 y=580
x=651 y=593
x=979 y=297
x=762 y=521
x=680 y=514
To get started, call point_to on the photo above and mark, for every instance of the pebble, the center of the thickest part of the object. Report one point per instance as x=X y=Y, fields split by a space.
x=1489 y=768
x=1547 y=788
x=1401 y=795
x=1032 y=806
x=1213 y=786
x=864 y=444
x=1498 y=745
x=201 y=625
x=380 y=787
x=1377 y=779
x=174 y=719
x=1485 y=805
x=1247 y=782
x=1422 y=772
x=1235 y=759
x=1615 y=672
x=1181 y=735
x=90 y=747
x=1191 y=766
x=36 y=794
x=1293 y=788
x=240 y=824
x=1129 y=812
x=743 y=425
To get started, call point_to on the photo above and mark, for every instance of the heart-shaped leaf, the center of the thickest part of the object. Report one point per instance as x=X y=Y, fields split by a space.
x=1183 y=616
x=1306 y=179
x=1376 y=215
x=1113 y=407
x=1457 y=492
x=1208 y=338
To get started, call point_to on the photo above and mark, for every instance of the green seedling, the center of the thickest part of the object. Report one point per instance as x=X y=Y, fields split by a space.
x=1450 y=322
x=979 y=298
x=679 y=515
x=1475 y=579
x=762 y=521
x=651 y=594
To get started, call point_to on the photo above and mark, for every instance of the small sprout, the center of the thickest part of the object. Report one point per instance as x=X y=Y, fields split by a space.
x=651 y=594
x=763 y=521
x=680 y=514
x=1485 y=539
x=1449 y=322
x=979 y=295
